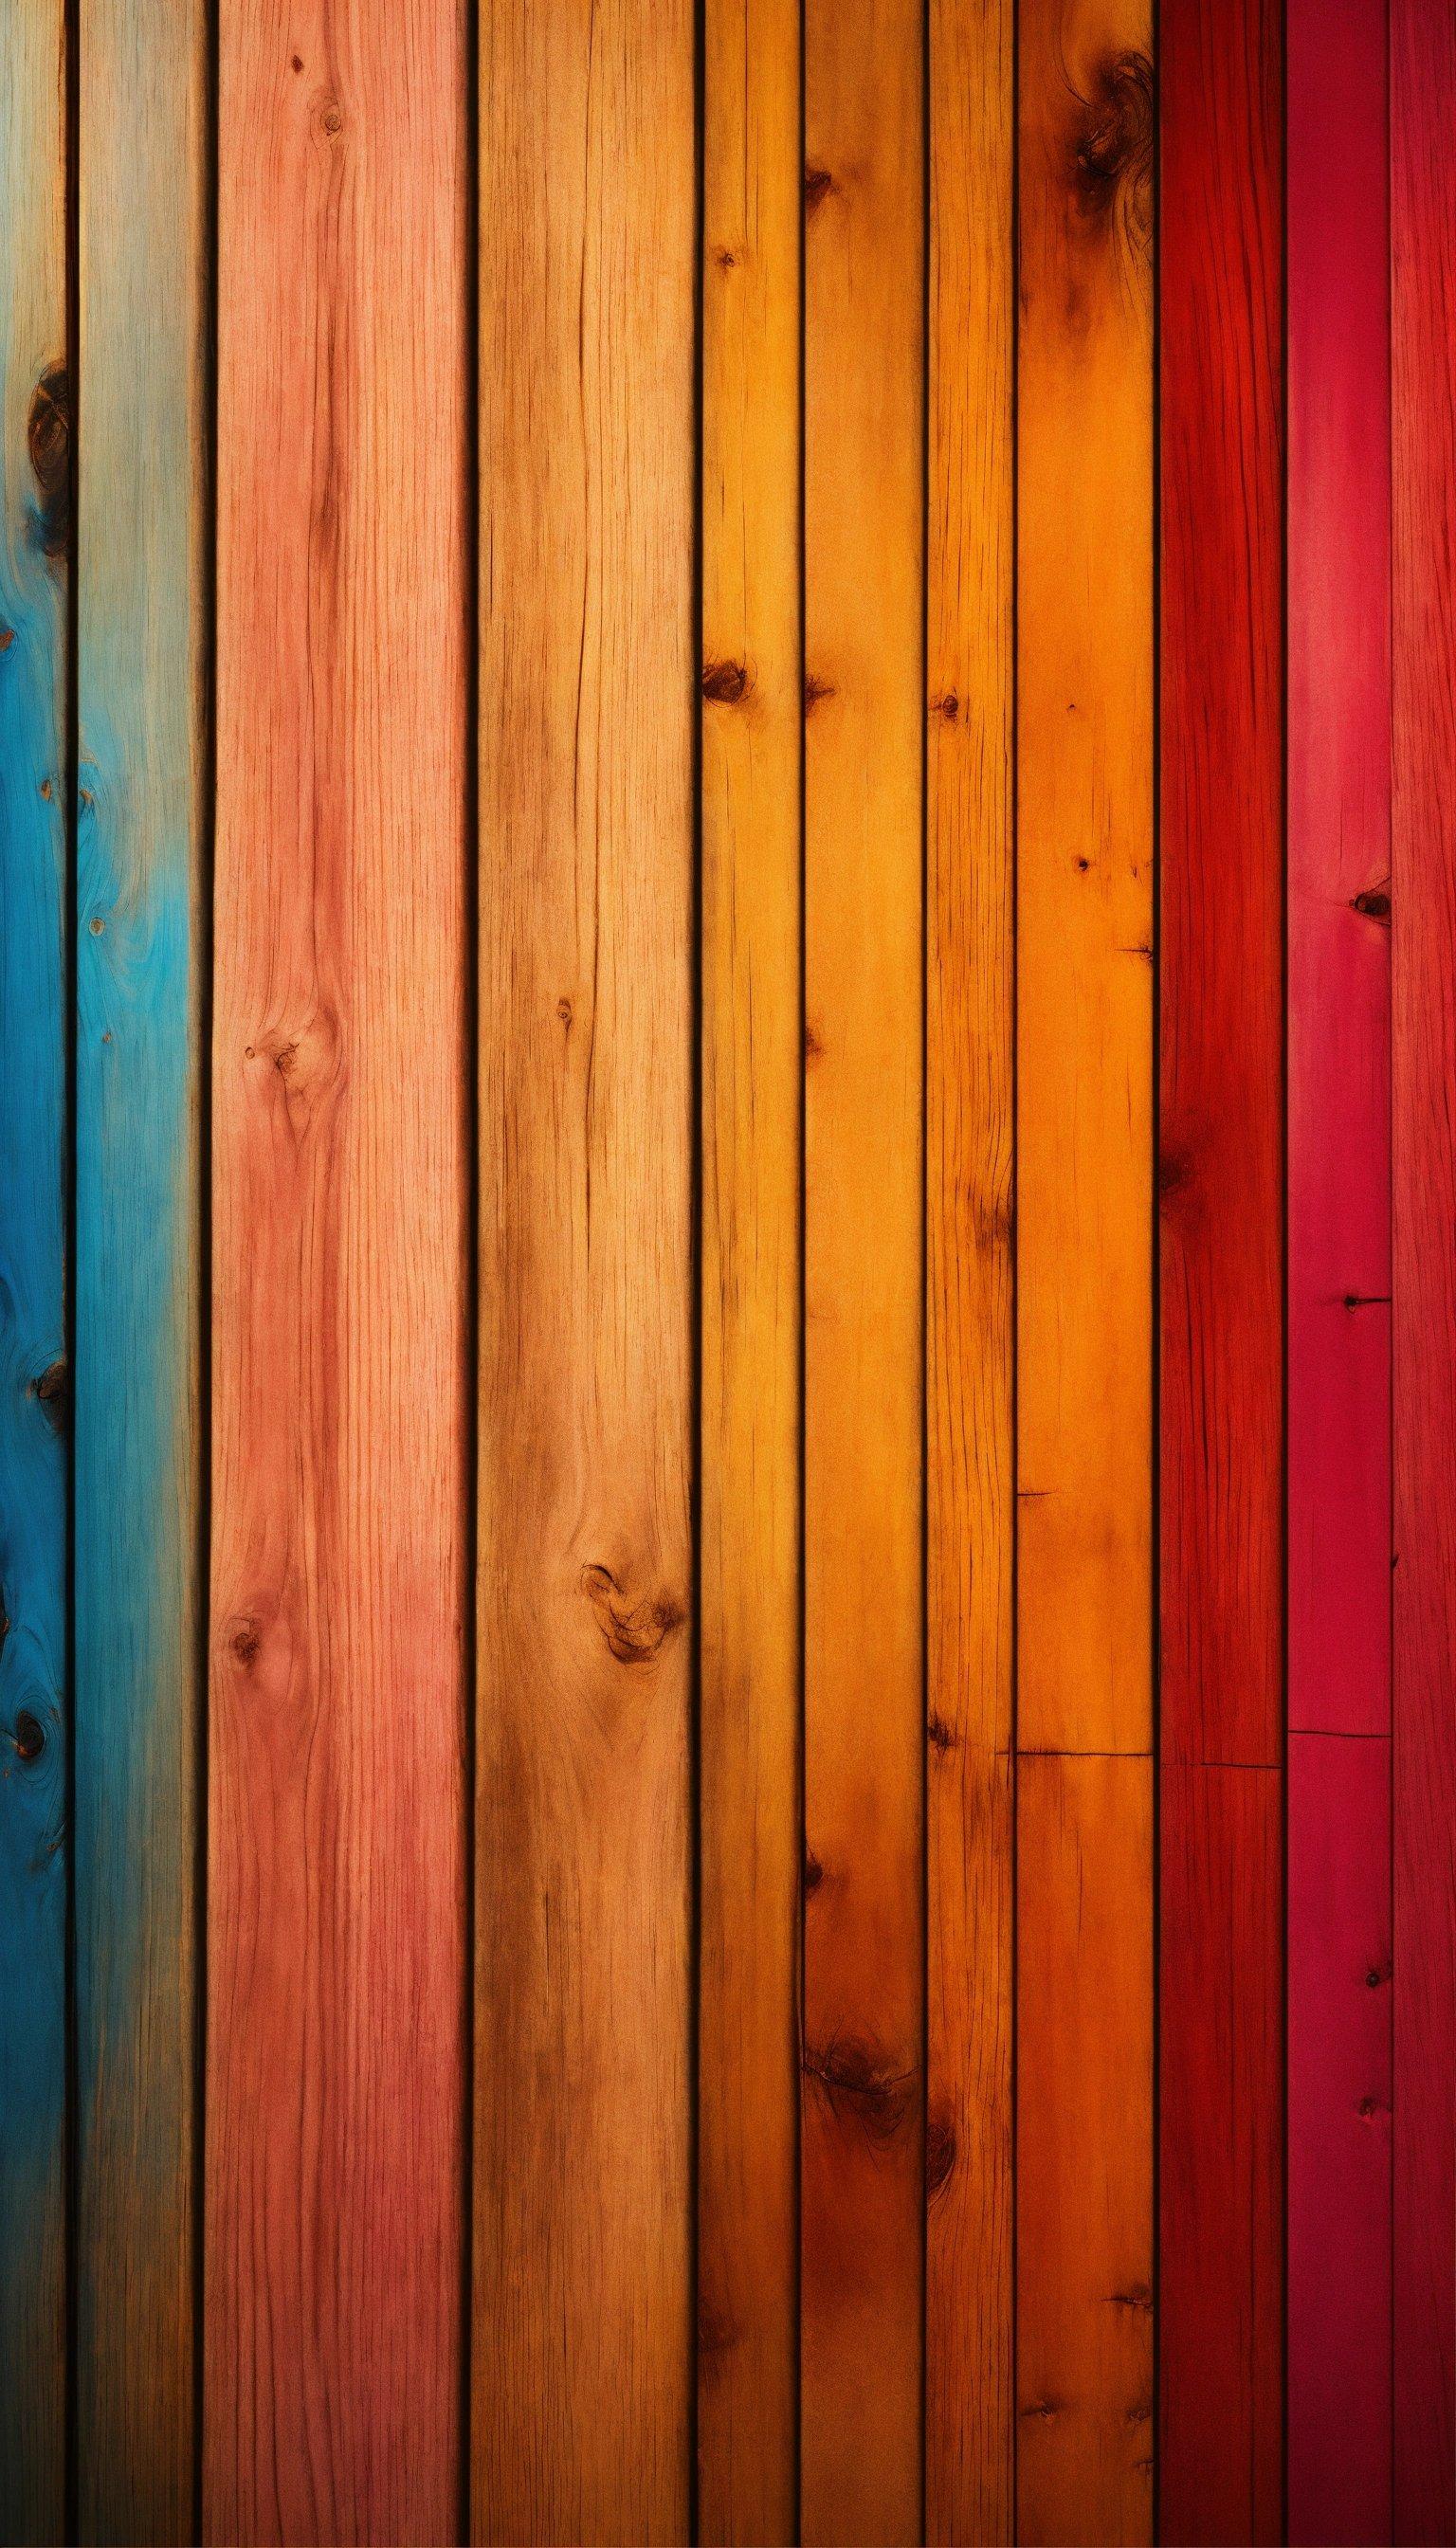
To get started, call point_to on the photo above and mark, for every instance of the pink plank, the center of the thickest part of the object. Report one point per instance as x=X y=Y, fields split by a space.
x=1340 y=2332
x=1424 y=901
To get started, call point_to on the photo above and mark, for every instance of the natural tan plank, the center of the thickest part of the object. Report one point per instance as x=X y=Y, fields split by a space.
x=337 y=1822
x=582 y=2345
x=970 y=2373
x=862 y=2177
x=752 y=1047
x=1084 y=1217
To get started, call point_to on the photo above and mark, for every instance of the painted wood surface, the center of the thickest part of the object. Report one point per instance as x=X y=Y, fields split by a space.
x=340 y=1367
x=1221 y=1249
x=143 y=540
x=969 y=2294
x=862 y=2133
x=1423 y=1070
x=1084 y=1272
x=583 y=2308
x=1340 y=1274
x=749 y=1714
x=34 y=418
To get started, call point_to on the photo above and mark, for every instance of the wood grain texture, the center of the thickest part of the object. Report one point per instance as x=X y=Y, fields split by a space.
x=1339 y=1272
x=336 y=1932
x=863 y=2176
x=1423 y=1072
x=582 y=2344
x=33 y=1417
x=1085 y=1258
x=970 y=671
x=749 y=1718
x=1221 y=1232
x=143 y=534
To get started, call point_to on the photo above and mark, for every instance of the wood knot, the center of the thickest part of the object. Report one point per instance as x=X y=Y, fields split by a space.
x=814 y=691
x=7 y=640
x=940 y=1735
x=30 y=1736
x=940 y=2151
x=245 y=1643
x=813 y=1872
x=1111 y=150
x=49 y=434
x=817 y=184
x=717 y=2333
x=633 y=1631
x=329 y=115
x=1135 y=2297
x=50 y=1390
x=726 y=683
x=857 y=2083
x=1374 y=903
x=946 y=706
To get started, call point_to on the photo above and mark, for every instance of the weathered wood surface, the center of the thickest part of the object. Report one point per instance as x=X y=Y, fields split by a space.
x=862 y=2177
x=1220 y=1248
x=1339 y=1273
x=1084 y=1257
x=1423 y=1072
x=970 y=2367
x=336 y=1918
x=34 y=1398
x=583 y=2361
x=143 y=538
x=749 y=1714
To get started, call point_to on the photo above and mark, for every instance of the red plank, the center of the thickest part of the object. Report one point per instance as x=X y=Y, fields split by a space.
x=1339 y=1272
x=1220 y=1205
x=1423 y=1067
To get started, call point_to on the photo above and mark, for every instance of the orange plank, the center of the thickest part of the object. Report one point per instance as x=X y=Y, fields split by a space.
x=863 y=2175
x=970 y=2449
x=1084 y=1221
x=582 y=2357
x=337 y=1818
x=751 y=1079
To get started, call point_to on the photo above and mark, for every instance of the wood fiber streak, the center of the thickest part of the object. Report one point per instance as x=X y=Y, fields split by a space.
x=34 y=1399
x=1423 y=1075
x=1339 y=1272
x=584 y=2342
x=751 y=1094
x=143 y=534
x=863 y=2175
x=335 y=2233
x=969 y=2370
x=1084 y=1256
x=1221 y=1227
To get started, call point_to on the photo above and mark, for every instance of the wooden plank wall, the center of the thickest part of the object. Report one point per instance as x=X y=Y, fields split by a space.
x=726 y=1598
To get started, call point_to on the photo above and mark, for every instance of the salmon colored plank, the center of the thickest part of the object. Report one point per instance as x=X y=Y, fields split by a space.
x=862 y=2129
x=1084 y=1271
x=752 y=1096
x=583 y=2338
x=1423 y=1072
x=1339 y=1272
x=1221 y=1250
x=34 y=419
x=336 y=1934
x=143 y=541
x=969 y=2370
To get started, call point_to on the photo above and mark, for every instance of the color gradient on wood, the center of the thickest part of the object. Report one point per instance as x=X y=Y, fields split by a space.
x=1084 y=1282
x=862 y=2133
x=1220 y=1252
x=34 y=419
x=749 y=1712
x=970 y=1484
x=336 y=1919
x=583 y=2351
x=144 y=535
x=1423 y=1073
x=1340 y=1274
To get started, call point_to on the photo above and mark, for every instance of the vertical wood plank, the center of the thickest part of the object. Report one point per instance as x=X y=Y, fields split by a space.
x=1423 y=1070
x=863 y=2175
x=1084 y=1320
x=1339 y=1273
x=969 y=2370
x=1221 y=1247
x=143 y=534
x=752 y=1083
x=582 y=2346
x=33 y=1421
x=334 y=2234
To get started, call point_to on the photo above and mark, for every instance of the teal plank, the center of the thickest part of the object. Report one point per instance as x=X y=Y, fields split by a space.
x=141 y=595
x=32 y=1392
